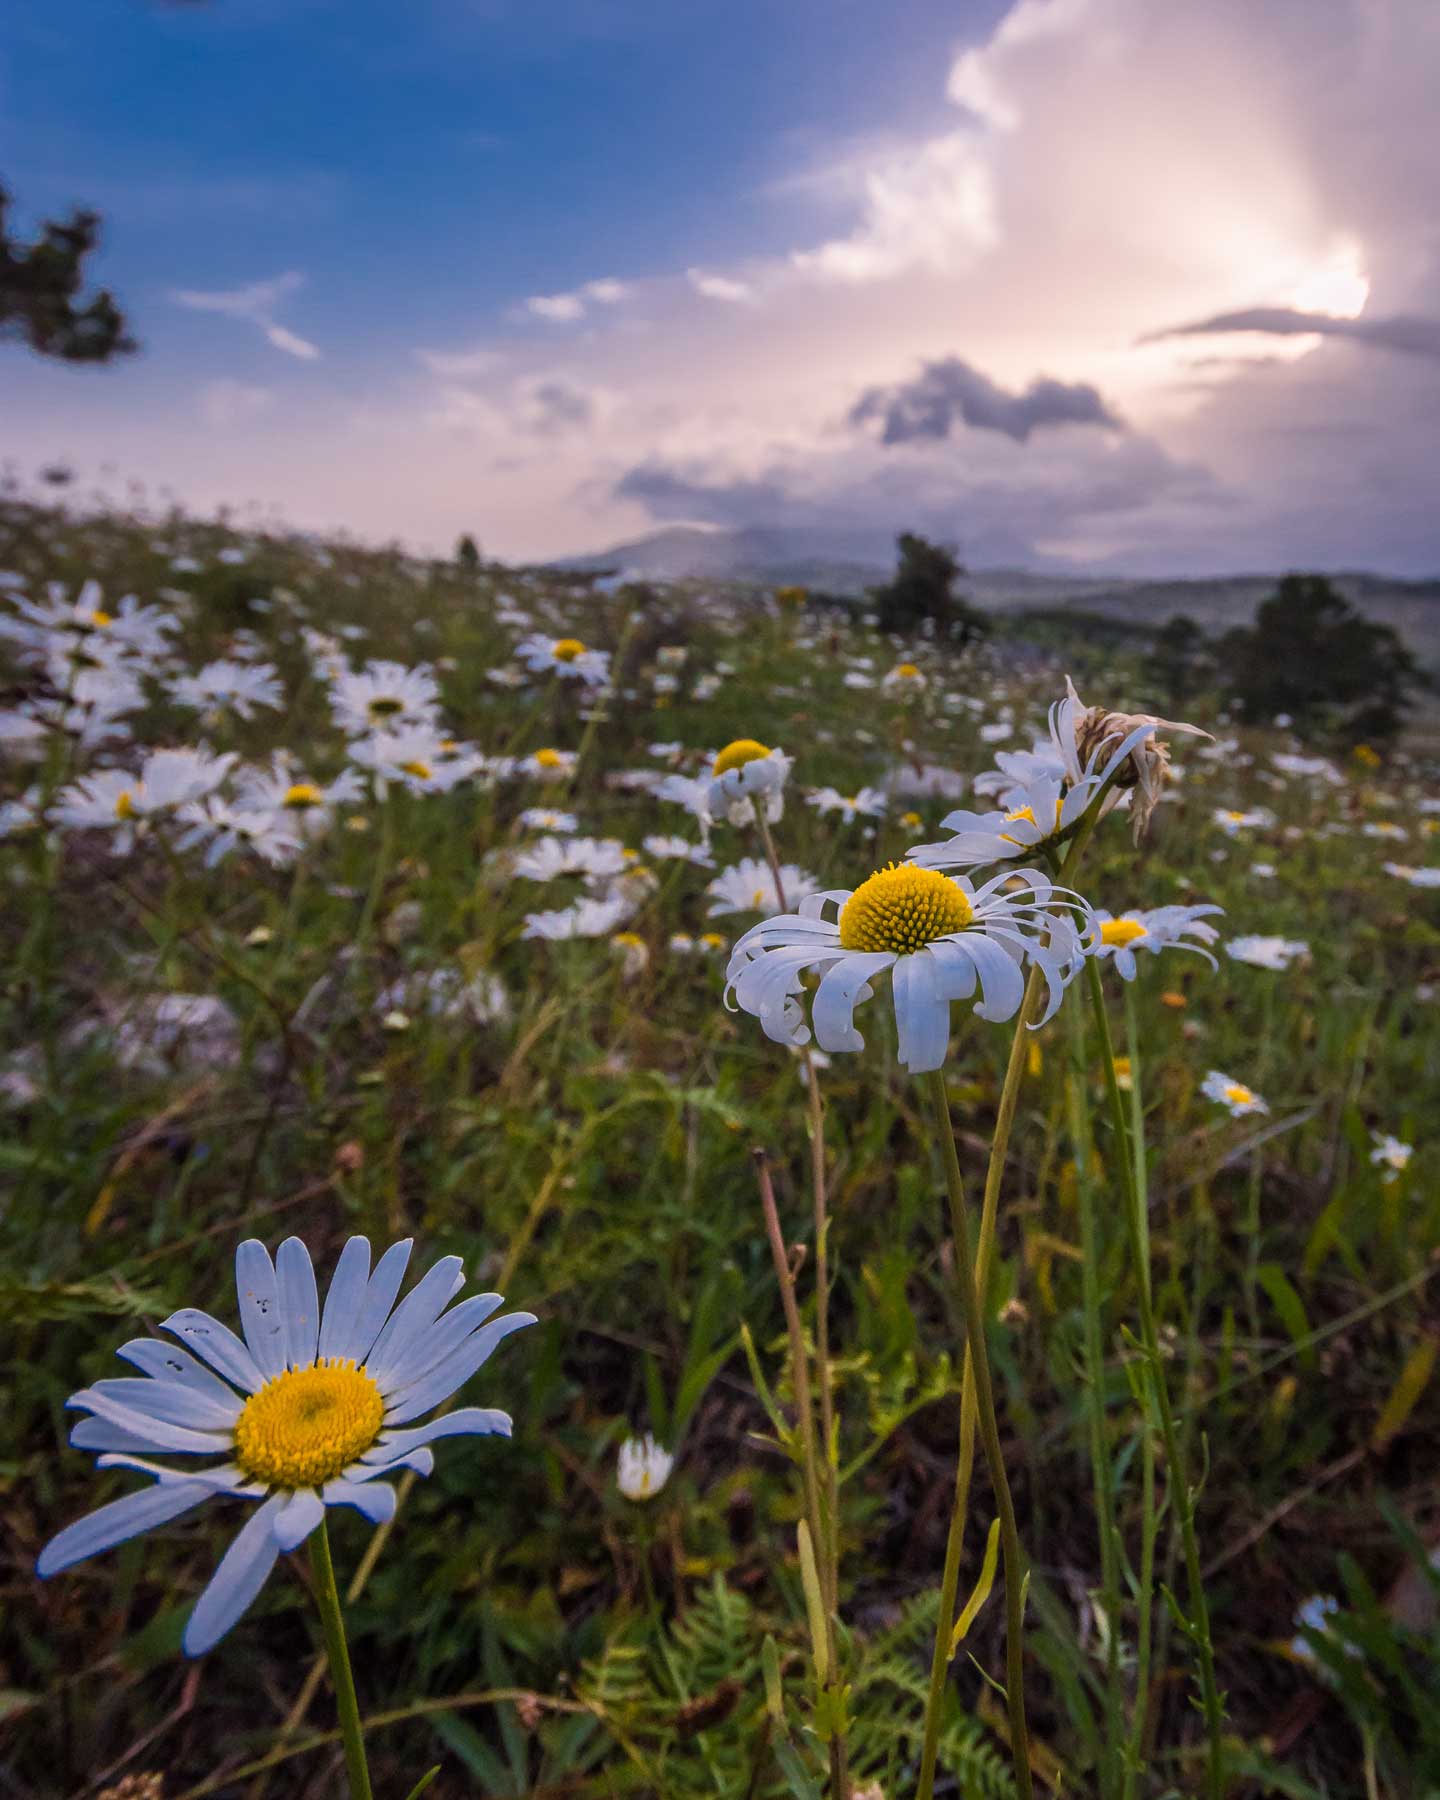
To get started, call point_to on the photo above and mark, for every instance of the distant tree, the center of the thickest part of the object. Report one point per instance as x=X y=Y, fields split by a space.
x=39 y=288
x=922 y=598
x=467 y=553
x=1181 y=661
x=1312 y=656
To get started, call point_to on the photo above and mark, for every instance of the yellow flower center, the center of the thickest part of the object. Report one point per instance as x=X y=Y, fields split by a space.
x=301 y=794
x=1238 y=1094
x=1122 y=931
x=901 y=909
x=305 y=1426
x=420 y=770
x=736 y=755
x=628 y=940
x=1237 y=817
x=100 y=619
x=907 y=671
x=550 y=759
x=713 y=940
x=383 y=706
x=125 y=806
x=567 y=649
x=911 y=821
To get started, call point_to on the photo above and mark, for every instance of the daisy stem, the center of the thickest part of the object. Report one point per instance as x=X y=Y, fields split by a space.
x=1149 y=1523
x=839 y=1787
x=984 y=1251
x=338 y=1654
x=378 y=874
x=1101 y=1467
x=990 y=1438
x=1197 y=1625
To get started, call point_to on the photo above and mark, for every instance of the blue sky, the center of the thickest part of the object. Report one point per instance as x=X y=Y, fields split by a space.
x=559 y=272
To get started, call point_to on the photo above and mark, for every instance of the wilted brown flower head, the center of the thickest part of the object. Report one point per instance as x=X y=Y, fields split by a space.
x=1098 y=733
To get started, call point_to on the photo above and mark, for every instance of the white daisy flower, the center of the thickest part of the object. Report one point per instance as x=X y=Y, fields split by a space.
x=869 y=802
x=744 y=776
x=222 y=827
x=166 y=781
x=1420 y=878
x=633 y=951
x=1233 y=1094
x=678 y=848
x=549 y=857
x=234 y=687
x=1392 y=1153
x=383 y=696
x=448 y=994
x=750 y=887
x=940 y=938
x=566 y=657
x=1233 y=822
x=905 y=678
x=310 y=806
x=545 y=765
x=546 y=818
x=1267 y=952
x=414 y=757
x=587 y=918
x=314 y=1408
x=642 y=1468
x=1161 y=928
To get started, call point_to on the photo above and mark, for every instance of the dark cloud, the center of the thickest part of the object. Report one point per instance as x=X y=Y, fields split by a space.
x=555 y=406
x=949 y=393
x=1412 y=336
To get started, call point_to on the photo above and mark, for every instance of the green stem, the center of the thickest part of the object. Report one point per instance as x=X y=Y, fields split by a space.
x=990 y=1439
x=1101 y=1468
x=1149 y=1523
x=378 y=875
x=1197 y=1625
x=338 y=1653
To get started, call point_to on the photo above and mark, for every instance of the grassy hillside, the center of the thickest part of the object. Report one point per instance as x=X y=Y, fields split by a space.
x=333 y=1012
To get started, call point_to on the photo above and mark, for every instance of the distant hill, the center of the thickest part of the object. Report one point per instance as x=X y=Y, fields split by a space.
x=853 y=562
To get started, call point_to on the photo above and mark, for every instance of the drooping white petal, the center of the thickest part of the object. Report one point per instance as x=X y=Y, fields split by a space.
x=380 y=1292
x=922 y=1017
x=121 y=1519
x=1001 y=982
x=456 y=1369
x=299 y=1302
x=373 y=1498
x=217 y=1345
x=465 y=1421
x=415 y=1314
x=422 y=1461
x=345 y=1298
x=846 y=982
x=237 y=1581
x=298 y=1517
x=258 y=1293
x=167 y=1362
x=169 y=1401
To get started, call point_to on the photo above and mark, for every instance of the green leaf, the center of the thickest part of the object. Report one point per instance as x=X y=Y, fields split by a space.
x=1291 y=1308
x=980 y=1593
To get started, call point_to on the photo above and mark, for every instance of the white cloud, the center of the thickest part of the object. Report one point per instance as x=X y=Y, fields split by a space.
x=460 y=365
x=257 y=305
x=223 y=404
x=558 y=308
x=607 y=292
x=719 y=287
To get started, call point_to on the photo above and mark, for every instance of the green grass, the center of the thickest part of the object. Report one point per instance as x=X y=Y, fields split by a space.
x=593 y=1151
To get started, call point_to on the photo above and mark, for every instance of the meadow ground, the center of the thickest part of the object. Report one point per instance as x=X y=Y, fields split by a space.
x=297 y=993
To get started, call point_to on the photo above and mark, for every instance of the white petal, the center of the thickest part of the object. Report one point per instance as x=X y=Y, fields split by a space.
x=229 y=1478
x=445 y=1335
x=237 y=1581
x=844 y=984
x=298 y=1517
x=922 y=1017
x=456 y=1369
x=465 y=1421
x=160 y=1433
x=380 y=1292
x=1002 y=984
x=258 y=1293
x=415 y=1314
x=373 y=1498
x=120 y=1520
x=104 y=1434
x=345 y=1298
x=422 y=1461
x=169 y=1401
x=217 y=1345
x=167 y=1362
x=299 y=1302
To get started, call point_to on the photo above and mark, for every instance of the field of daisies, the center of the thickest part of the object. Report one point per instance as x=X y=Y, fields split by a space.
x=614 y=1190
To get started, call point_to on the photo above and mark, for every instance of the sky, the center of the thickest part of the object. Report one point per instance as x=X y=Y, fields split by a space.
x=1115 y=285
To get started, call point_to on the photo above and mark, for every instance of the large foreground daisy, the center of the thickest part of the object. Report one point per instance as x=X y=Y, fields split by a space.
x=938 y=936
x=312 y=1408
